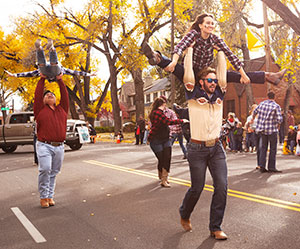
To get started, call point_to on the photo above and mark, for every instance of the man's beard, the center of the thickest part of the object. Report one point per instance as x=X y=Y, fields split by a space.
x=206 y=88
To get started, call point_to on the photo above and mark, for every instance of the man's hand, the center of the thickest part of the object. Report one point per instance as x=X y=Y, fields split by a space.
x=59 y=77
x=185 y=120
x=171 y=67
x=245 y=79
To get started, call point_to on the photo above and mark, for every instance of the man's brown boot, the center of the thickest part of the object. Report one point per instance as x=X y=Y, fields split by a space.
x=44 y=203
x=275 y=78
x=51 y=202
x=218 y=235
x=186 y=224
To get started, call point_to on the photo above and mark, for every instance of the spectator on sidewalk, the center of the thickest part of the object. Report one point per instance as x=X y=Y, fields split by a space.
x=291 y=139
x=238 y=137
x=250 y=131
x=140 y=130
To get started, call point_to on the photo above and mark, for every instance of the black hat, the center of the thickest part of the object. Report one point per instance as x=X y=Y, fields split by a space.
x=47 y=91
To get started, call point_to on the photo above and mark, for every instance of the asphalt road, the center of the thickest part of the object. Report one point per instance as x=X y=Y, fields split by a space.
x=108 y=196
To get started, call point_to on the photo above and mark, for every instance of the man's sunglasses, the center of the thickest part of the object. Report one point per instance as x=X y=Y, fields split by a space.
x=210 y=80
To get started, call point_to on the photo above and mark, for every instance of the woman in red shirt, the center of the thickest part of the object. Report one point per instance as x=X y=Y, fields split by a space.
x=159 y=138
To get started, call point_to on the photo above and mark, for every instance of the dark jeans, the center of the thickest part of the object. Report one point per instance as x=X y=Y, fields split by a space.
x=264 y=142
x=257 y=77
x=238 y=144
x=291 y=145
x=250 y=140
x=232 y=144
x=179 y=137
x=200 y=157
x=139 y=138
x=34 y=149
x=162 y=151
x=257 y=144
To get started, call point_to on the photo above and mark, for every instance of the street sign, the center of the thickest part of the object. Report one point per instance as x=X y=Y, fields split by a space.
x=4 y=108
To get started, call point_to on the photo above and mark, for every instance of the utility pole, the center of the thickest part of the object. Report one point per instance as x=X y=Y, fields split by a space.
x=267 y=41
x=172 y=49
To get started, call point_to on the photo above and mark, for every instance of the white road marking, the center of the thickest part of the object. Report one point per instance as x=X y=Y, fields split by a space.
x=35 y=234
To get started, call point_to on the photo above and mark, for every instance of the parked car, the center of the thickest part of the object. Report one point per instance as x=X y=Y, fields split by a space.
x=128 y=126
x=77 y=134
x=18 y=130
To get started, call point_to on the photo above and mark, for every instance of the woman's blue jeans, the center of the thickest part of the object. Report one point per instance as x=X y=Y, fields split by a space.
x=50 y=70
x=200 y=157
x=162 y=151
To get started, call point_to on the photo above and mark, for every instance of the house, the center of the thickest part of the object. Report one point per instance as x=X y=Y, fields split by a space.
x=152 y=90
x=236 y=100
x=156 y=89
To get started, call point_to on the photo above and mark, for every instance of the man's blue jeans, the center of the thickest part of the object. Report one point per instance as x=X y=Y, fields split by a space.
x=50 y=161
x=264 y=142
x=200 y=157
x=179 y=137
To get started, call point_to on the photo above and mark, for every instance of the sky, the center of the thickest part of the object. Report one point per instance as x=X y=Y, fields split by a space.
x=14 y=8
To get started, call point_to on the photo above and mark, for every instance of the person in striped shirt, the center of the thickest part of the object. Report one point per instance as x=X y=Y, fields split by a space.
x=269 y=118
x=200 y=36
x=49 y=69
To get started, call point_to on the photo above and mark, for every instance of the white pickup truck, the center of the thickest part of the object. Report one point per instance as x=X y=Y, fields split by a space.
x=18 y=130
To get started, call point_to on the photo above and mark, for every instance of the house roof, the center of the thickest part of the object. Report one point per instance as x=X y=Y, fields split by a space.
x=158 y=85
x=128 y=88
x=256 y=64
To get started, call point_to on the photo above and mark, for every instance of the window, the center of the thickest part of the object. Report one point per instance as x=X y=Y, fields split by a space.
x=131 y=101
x=155 y=96
x=18 y=119
x=147 y=98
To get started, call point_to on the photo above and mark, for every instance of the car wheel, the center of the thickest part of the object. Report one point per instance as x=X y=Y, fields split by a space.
x=9 y=149
x=75 y=146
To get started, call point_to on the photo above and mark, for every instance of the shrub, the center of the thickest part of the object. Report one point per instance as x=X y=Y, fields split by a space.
x=101 y=129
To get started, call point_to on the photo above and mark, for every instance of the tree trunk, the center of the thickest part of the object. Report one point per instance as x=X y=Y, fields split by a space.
x=285 y=13
x=139 y=92
x=114 y=99
x=286 y=103
x=73 y=111
x=246 y=56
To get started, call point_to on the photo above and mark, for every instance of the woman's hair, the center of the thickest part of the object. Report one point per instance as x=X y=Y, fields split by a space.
x=199 y=20
x=157 y=103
